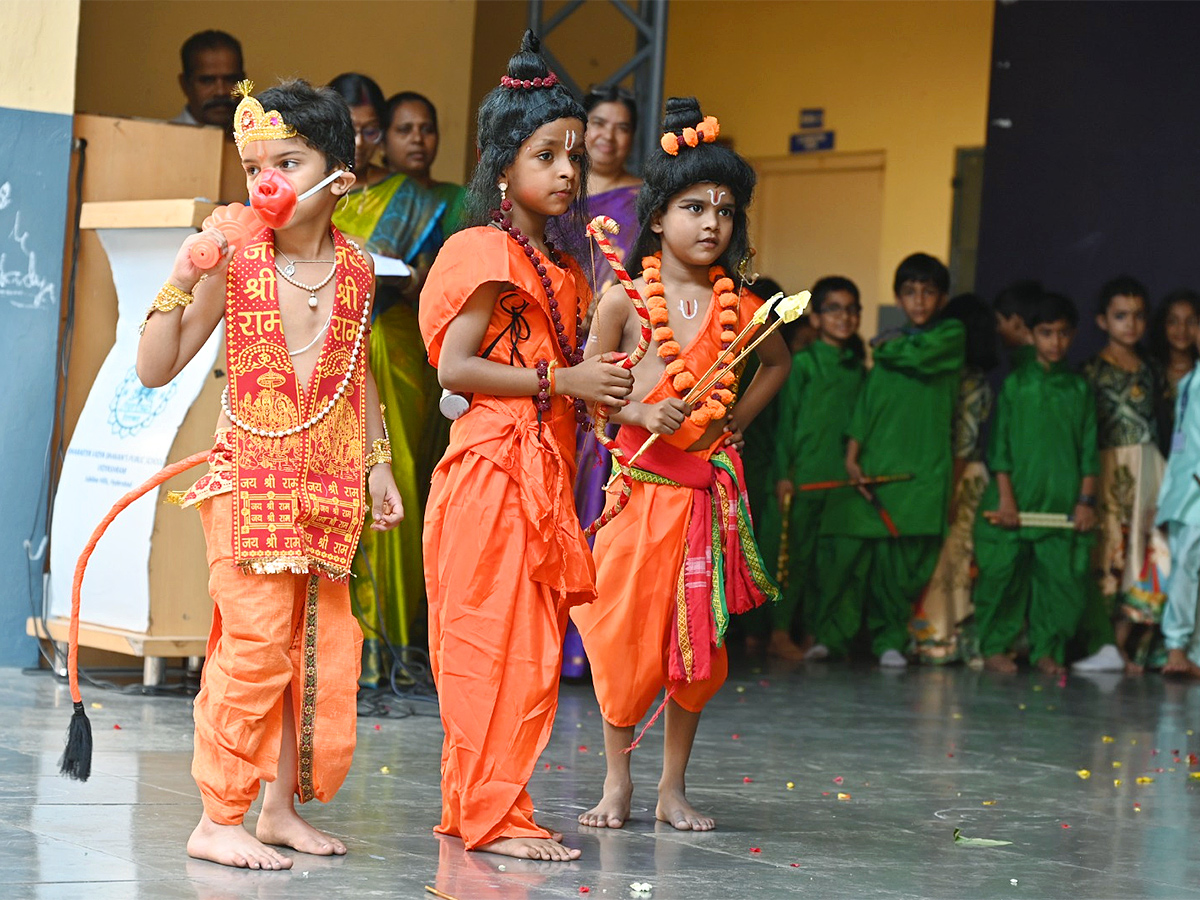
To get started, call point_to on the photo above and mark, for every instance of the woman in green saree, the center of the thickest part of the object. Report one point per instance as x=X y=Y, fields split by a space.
x=394 y=215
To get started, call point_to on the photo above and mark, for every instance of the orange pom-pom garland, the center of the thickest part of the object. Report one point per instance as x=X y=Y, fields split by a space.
x=721 y=395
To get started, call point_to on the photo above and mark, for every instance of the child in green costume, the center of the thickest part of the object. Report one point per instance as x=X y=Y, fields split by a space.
x=1044 y=458
x=814 y=410
x=900 y=426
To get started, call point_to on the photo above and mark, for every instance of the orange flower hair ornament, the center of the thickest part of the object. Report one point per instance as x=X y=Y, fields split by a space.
x=706 y=132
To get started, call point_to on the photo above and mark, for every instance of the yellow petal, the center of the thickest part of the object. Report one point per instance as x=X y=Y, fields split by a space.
x=1107 y=739
x=1145 y=779
x=1083 y=773
x=1116 y=764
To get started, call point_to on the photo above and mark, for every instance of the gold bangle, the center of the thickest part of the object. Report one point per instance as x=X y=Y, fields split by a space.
x=375 y=457
x=550 y=375
x=381 y=451
x=169 y=298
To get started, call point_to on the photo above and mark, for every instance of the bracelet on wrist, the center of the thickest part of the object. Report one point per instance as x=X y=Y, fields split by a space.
x=1086 y=500
x=542 y=399
x=550 y=373
x=169 y=298
x=381 y=452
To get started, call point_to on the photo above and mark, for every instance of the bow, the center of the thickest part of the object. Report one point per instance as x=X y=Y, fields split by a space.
x=596 y=230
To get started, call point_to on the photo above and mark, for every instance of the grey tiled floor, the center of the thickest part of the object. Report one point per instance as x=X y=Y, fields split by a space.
x=919 y=754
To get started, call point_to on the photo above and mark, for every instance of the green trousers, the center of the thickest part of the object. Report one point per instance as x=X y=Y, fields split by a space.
x=1096 y=624
x=1044 y=579
x=800 y=580
x=884 y=575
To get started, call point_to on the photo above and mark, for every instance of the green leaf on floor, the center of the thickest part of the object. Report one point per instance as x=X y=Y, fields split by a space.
x=976 y=842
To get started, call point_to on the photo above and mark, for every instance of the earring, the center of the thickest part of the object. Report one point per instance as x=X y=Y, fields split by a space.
x=747 y=277
x=505 y=203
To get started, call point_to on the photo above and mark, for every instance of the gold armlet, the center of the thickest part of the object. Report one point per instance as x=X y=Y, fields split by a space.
x=169 y=298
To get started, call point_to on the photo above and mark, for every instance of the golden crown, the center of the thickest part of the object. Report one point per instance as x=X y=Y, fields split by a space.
x=253 y=123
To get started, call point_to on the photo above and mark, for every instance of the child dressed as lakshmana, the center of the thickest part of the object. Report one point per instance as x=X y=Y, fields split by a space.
x=283 y=502
x=675 y=563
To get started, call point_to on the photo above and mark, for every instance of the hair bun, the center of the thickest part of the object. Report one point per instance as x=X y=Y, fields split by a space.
x=682 y=112
x=527 y=63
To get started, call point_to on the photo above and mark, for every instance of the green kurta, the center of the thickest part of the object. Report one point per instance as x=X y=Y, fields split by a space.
x=814 y=410
x=1044 y=438
x=902 y=421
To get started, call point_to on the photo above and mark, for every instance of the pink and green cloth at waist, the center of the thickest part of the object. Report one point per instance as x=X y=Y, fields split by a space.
x=722 y=572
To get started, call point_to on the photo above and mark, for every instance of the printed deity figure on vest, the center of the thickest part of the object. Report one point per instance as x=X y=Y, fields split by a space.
x=299 y=445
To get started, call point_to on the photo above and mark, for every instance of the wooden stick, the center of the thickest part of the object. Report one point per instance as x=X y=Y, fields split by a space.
x=437 y=893
x=875 y=479
x=783 y=559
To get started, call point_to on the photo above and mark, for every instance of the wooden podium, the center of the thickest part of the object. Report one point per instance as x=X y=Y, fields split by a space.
x=144 y=175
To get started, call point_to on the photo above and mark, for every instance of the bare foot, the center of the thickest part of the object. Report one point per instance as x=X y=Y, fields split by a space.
x=1047 y=666
x=232 y=845
x=1132 y=668
x=1000 y=662
x=531 y=848
x=613 y=809
x=783 y=647
x=1179 y=664
x=284 y=828
x=674 y=809
x=754 y=645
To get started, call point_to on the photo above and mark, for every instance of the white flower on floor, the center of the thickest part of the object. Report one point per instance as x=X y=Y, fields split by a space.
x=641 y=888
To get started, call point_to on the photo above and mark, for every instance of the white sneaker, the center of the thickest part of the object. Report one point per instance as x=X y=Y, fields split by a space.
x=817 y=652
x=893 y=659
x=1106 y=659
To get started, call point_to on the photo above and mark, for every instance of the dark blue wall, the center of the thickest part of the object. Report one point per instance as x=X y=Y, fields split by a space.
x=34 y=166
x=1093 y=149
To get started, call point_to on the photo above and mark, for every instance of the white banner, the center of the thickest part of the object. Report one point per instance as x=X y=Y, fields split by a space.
x=123 y=437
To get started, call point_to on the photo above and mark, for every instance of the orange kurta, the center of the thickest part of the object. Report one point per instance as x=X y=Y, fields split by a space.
x=504 y=554
x=627 y=632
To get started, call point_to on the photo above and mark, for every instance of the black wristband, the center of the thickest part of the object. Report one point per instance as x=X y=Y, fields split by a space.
x=1087 y=500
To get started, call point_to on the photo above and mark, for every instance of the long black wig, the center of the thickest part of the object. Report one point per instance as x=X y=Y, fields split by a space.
x=507 y=117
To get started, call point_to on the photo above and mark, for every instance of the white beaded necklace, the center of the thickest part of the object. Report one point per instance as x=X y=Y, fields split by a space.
x=337 y=395
x=312 y=289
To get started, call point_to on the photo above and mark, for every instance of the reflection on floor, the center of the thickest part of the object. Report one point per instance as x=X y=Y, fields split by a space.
x=828 y=781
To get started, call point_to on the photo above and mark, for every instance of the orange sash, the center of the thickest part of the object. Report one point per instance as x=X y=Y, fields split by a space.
x=298 y=498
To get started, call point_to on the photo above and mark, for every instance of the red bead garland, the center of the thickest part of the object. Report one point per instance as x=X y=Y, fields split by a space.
x=572 y=354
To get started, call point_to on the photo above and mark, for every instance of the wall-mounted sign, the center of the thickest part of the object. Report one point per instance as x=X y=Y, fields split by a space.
x=812 y=141
x=812 y=118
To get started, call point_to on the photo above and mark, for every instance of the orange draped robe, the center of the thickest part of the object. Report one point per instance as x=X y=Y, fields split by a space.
x=627 y=632
x=504 y=554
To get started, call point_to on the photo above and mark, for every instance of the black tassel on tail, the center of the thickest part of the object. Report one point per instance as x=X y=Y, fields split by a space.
x=76 y=760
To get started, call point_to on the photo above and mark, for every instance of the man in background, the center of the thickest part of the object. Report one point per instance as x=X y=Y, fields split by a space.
x=212 y=66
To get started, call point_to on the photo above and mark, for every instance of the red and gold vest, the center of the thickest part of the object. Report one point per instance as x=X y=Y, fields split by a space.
x=299 y=498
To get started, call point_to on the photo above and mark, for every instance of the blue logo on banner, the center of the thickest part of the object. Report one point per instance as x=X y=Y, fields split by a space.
x=812 y=118
x=811 y=142
x=135 y=406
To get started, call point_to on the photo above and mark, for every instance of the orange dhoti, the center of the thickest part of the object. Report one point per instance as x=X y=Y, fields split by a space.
x=504 y=555
x=271 y=634
x=627 y=631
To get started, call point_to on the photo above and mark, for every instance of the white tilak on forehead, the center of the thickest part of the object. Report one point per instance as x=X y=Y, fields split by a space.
x=570 y=139
x=717 y=199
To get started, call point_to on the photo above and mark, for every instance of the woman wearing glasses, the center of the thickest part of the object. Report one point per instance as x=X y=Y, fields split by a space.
x=392 y=215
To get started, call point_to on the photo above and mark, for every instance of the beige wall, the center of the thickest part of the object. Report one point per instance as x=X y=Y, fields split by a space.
x=129 y=52
x=37 y=67
x=908 y=78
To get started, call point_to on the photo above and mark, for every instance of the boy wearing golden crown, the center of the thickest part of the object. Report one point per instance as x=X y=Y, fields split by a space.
x=283 y=502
